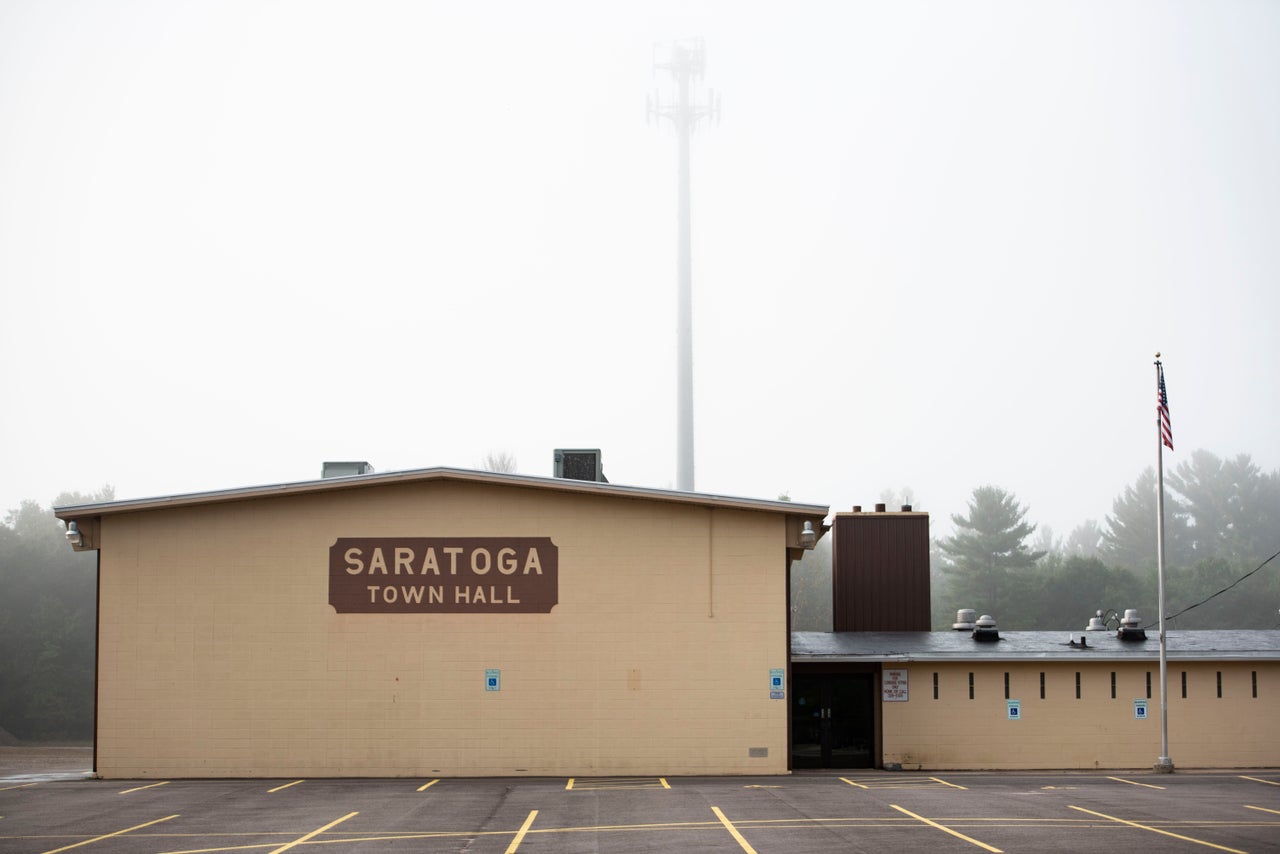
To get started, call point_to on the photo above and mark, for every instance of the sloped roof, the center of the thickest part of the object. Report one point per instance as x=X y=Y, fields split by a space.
x=364 y=481
x=905 y=647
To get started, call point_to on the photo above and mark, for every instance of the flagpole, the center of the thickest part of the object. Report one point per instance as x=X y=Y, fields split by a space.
x=1163 y=764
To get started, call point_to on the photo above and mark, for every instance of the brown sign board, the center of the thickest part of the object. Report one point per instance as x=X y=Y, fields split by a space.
x=443 y=575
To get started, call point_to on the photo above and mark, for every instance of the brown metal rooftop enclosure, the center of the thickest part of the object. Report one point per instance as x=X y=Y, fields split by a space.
x=880 y=571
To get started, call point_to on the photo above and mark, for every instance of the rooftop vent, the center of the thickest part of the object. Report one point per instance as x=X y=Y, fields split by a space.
x=966 y=620
x=1096 y=623
x=986 y=629
x=345 y=469
x=1131 y=627
x=579 y=464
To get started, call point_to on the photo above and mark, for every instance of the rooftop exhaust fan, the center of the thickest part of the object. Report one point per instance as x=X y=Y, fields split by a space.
x=966 y=619
x=986 y=629
x=1130 y=627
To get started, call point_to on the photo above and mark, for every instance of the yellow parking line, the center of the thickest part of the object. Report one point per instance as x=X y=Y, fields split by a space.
x=954 y=833
x=663 y=781
x=1158 y=830
x=316 y=832
x=1263 y=809
x=1131 y=783
x=109 y=835
x=733 y=831
x=19 y=786
x=519 y=837
x=285 y=786
x=851 y=783
x=140 y=788
x=1260 y=780
x=428 y=786
x=945 y=783
x=569 y=785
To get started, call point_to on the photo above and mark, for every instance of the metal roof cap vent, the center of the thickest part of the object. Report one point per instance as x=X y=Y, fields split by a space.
x=986 y=629
x=1131 y=627
x=966 y=618
x=1096 y=624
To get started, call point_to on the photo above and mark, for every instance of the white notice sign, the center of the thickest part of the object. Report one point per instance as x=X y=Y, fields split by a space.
x=893 y=686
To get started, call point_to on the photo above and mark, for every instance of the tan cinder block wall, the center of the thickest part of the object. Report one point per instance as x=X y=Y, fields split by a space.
x=1095 y=731
x=221 y=656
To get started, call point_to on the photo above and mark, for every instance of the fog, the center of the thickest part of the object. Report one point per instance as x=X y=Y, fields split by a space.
x=935 y=245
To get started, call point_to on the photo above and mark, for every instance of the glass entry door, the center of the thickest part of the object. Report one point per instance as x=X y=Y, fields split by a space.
x=832 y=723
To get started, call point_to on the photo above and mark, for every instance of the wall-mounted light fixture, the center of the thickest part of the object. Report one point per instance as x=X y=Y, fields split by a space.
x=808 y=537
x=73 y=535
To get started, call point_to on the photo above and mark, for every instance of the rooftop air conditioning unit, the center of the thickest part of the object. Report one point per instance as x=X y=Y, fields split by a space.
x=345 y=469
x=579 y=464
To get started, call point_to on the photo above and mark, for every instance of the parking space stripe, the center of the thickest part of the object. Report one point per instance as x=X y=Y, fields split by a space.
x=1260 y=780
x=746 y=846
x=954 y=833
x=1262 y=809
x=663 y=781
x=109 y=835
x=945 y=783
x=285 y=786
x=314 y=833
x=519 y=837
x=19 y=786
x=140 y=788
x=1158 y=830
x=569 y=785
x=851 y=783
x=428 y=786
x=1131 y=783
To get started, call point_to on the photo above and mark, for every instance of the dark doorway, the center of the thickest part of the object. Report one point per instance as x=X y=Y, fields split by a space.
x=832 y=721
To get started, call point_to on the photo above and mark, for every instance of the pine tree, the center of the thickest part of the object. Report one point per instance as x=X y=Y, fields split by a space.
x=987 y=551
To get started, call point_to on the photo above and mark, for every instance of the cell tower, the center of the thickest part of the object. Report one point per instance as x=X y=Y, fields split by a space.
x=685 y=60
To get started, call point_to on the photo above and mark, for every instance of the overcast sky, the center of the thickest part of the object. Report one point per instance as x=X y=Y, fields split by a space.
x=935 y=245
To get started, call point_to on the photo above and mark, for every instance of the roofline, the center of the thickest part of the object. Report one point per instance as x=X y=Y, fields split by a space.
x=362 y=481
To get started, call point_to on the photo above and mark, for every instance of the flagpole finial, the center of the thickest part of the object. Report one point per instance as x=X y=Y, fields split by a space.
x=1157 y=354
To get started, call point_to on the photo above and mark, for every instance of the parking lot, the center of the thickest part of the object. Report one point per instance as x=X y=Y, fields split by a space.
x=831 y=811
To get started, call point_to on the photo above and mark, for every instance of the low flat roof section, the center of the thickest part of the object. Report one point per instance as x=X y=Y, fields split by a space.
x=905 y=647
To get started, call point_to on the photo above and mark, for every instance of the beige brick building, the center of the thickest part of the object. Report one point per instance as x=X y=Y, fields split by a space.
x=442 y=622
x=455 y=623
x=941 y=700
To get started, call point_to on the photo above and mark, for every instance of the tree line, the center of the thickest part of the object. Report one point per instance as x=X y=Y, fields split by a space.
x=48 y=623
x=1221 y=520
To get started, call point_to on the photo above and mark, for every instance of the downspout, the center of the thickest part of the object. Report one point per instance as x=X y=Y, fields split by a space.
x=97 y=648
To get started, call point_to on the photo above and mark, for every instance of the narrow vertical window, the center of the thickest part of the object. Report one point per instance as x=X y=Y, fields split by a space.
x=935 y=684
x=970 y=684
x=1113 y=684
x=1184 y=684
x=1006 y=685
x=1255 y=684
x=1148 y=684
x=1077 y=684
x=1041 y=684
x=1219 y=684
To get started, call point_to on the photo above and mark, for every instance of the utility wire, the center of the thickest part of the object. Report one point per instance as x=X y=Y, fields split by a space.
x=1220 y=592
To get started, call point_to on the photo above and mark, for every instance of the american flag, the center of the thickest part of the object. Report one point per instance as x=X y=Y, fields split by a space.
x=1162 y=406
